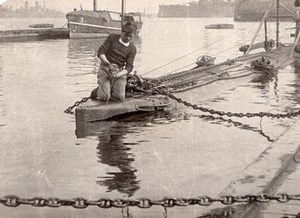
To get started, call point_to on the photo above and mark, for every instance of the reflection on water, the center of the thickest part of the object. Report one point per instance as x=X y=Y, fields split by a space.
x=113 y=152
x=223 y=121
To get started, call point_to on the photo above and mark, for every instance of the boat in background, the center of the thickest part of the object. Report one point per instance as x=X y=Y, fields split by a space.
x=200 y=8
x=99 y=23
x=220 y=26
x=254 y=10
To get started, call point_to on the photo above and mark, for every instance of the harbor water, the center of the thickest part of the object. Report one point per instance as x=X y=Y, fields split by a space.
x=182 y=154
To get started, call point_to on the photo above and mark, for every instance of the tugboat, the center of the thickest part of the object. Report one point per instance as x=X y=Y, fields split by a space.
x=172 y=91
x=99 y=23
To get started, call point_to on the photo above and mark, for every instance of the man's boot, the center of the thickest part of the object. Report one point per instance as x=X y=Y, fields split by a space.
x=93 y=95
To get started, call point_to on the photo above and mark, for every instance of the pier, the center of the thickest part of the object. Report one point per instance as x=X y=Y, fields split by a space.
x=33 y=34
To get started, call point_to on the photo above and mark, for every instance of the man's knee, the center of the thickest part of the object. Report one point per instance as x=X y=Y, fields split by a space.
x=118 y=96
x=103 y=94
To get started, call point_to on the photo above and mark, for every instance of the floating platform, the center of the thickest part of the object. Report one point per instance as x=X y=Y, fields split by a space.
x=220 y=26
x=33 y=34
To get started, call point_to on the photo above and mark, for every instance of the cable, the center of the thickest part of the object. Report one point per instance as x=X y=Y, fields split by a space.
x=190 y=53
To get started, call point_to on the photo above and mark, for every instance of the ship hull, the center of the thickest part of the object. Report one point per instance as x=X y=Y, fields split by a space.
x=254 y=10
x=202 y=8
x=91 y=24
x=187 y=85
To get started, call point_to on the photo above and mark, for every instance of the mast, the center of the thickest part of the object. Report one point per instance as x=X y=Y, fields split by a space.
x=266 y=32
x=260 y=25
x=277 y=24
x=95 y=5
x=122 y=14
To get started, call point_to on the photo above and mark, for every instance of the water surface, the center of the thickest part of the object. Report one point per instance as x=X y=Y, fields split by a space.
x=184 y=153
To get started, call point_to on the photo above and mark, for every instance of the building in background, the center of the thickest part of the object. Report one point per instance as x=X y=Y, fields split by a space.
x=200 y=8
x=29 y=11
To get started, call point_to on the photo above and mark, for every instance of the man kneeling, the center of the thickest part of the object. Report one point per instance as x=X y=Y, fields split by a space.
x=117 y=54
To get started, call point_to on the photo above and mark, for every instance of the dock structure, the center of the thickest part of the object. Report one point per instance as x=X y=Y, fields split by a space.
x=276 y=170
x=33 y=34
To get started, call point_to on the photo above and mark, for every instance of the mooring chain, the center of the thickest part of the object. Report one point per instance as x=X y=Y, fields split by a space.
x=229 y=114
x=82 y=203
x=77 y=103
x=203 y=109
x=237 y=124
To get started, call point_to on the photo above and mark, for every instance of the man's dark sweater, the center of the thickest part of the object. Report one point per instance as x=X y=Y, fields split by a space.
x=118 y=53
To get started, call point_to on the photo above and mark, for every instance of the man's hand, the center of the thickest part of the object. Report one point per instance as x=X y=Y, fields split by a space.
x=114 y=71
x=112 y=68
x=121 y=73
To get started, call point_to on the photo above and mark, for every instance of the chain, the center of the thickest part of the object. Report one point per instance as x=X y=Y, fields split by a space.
x=77 y=103
x=203 y=109
x=229 y=114
x=237 y=124
x=145 y=203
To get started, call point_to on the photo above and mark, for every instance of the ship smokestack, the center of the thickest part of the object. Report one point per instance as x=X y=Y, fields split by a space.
x=26 y=5
x=95 y=5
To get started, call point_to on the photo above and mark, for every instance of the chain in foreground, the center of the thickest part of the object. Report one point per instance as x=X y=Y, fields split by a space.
x=82 y=203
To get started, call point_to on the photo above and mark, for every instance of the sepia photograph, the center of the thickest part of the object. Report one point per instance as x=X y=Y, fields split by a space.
x=149 y=108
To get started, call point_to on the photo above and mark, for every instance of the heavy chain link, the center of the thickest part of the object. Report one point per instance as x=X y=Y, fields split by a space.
x=203 y=109
x=223 y=113
x=105 y=203
x=77 y=103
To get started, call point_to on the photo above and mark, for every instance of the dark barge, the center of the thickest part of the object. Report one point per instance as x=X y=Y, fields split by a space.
x=33 y=34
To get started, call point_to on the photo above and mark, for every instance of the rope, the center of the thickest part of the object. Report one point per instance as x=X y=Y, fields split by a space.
x=64 y=25
x=193 y=63
x=294 y=46
x=286 y=8
x=260 y=25
x=181 y=57
x=189 y=65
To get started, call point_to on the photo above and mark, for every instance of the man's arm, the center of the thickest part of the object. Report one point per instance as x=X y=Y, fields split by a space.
x=103 y=49
x=104 y=59
x=130 y=60
x=121 y=73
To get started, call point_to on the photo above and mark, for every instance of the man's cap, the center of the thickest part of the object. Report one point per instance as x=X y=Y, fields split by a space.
x=129 y=27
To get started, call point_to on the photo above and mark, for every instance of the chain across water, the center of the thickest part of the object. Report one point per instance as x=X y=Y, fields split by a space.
x=223 y=113
x=145 y=203
x=203 y=109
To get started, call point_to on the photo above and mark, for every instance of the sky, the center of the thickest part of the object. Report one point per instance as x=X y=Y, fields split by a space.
x=150 y=6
